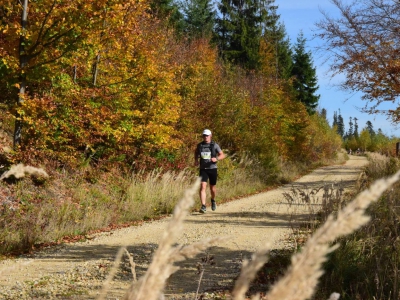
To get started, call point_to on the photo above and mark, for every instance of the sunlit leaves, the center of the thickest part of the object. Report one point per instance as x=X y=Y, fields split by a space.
x=363 y=44
x=106 y=80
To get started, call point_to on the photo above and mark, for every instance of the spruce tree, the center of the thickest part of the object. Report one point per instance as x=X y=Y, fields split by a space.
x=355 y=128
x=168 y=11
x=239 y=28
x=199 y=18
x=350 y=133
x=323 y=114
x=335 y=119
x=276 y=37
x=340 y=125
x=304 y=75
x=370 y=128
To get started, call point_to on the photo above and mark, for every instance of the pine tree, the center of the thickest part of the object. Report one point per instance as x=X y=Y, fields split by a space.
x=355 y=128
x=239 y=29
x=370 y=128
x=304 y=74
x=199 y=18
x=350 y=133
x=335 y=119
x=340 y=125
x=168 y=11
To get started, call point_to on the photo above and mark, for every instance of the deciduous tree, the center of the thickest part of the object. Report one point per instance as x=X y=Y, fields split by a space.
x=32 y=43
x=365 y=139
x=364 y=45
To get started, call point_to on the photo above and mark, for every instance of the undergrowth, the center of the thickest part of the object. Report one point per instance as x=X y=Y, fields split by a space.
x=367 y=263
x=70 y=205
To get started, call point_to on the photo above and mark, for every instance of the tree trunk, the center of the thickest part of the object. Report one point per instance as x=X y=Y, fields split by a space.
x=23 y=60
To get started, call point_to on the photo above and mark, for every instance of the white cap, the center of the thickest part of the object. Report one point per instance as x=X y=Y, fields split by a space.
x=206 y=132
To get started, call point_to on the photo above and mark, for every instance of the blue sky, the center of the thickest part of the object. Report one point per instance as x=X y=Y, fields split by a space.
x=302 y=15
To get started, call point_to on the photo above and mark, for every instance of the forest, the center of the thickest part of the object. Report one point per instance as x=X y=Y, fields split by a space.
x=121 y=82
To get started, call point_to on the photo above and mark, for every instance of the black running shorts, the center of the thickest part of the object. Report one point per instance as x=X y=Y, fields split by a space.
x=209 y=174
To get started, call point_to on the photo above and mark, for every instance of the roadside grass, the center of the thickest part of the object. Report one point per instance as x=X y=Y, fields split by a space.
x=317 y=204
x=367 y=263
x=71 y=205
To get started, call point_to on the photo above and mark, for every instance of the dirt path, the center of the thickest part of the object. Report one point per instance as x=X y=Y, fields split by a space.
x=76 y=271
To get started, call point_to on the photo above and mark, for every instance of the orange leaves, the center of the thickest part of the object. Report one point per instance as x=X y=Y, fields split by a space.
x=106 y=77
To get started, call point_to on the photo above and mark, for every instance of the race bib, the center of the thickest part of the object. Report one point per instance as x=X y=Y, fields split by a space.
x=205 y=155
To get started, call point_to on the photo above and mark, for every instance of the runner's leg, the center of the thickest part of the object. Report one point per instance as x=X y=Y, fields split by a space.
x=203 y=193
x=203 y=186
x=213 y=182
x=213 y=190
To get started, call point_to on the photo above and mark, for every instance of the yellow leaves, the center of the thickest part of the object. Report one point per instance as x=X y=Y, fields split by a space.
x=5 y=29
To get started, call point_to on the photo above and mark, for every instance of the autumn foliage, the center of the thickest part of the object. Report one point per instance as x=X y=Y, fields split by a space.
x=108 y=82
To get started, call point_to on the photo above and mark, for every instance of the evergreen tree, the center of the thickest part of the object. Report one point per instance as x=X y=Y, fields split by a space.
x=350 y=133
x=199 y=18
x=304 y=74
x=340 y=124
x=335 y=119
x=285 y=54
x=323 y=114
x=168 y=11
x=239 y=29
x=275 y=35
x=370 y=128
x=355 y=127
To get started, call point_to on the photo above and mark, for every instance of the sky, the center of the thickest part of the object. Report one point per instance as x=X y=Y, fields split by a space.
x=301 y=15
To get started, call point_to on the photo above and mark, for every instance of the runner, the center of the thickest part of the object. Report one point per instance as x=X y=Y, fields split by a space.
x=209 y=153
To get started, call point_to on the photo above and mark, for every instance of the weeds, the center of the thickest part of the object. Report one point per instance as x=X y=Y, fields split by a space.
x=201 y=267
x=19 y=171
x=68 y=205
x=315 y=203
x=366 y=266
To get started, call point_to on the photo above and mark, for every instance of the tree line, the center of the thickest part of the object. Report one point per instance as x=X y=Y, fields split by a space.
x=137 y=81
x=366 y=140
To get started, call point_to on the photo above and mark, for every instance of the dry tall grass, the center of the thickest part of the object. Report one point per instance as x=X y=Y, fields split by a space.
x=367 y=263
x=70 y=204
x=301 y=278
x=19 y=171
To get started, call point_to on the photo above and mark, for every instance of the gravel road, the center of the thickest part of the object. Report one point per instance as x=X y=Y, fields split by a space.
x=77 y=271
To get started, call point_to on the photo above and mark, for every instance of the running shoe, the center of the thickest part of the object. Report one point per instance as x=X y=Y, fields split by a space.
x=203 y=209
x=213 y=205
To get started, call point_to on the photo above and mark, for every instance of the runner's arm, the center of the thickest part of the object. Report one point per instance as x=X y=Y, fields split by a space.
x=220 y=156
